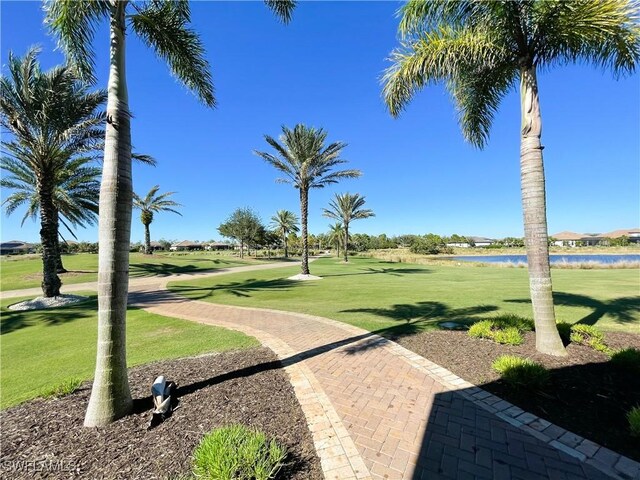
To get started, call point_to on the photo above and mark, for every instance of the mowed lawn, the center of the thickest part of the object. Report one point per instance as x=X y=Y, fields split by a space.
x=25 y=271
x=377 y=295
x=42 y=349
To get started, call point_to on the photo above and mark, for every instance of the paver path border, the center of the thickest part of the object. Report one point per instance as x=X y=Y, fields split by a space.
x=378 y=410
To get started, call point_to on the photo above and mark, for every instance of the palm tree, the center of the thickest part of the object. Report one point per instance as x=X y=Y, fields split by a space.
x=164 y=27
x=285 y=222
x=336 y=236
x=479 y=50
x=347 y=207
x=53 y=119
x=306 y=163
x=75 y=194
x=149 y=205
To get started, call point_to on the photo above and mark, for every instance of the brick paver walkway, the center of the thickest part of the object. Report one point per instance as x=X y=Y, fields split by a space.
x=373 y=411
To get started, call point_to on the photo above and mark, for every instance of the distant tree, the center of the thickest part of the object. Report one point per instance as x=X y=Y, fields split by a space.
x=301 y=155
x=336 y=236
x=149 y=205
x=54 y=120
x=479 y=50
x=429 y=244
x=346 y=208
x=285 y=222
x=406 y=241
x=244 y=226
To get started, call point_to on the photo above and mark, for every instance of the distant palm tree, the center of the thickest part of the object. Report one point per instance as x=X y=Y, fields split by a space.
x=479 y=50
x=347 y=207
x=149 y=205
x=54 y=120
x=285 y=222
x=164 y=27
x=306 y=163
x=336 y=236
x=75 y=194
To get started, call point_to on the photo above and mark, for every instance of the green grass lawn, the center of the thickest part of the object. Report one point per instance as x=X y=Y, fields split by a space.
x=25 y=271
x=378 y=295
x=42 y=349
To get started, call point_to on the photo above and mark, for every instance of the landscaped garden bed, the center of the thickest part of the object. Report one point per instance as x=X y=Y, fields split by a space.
x=586 y=393
x=244 y=387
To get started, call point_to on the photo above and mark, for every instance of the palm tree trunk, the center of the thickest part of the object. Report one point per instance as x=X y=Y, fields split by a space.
x=286 y=249
x=241 y=248
x=147 y=240
x=110 y=395
x=535 y=217
x=59 y=266
x=304 y=209
x=346 y=241
x=49 y=238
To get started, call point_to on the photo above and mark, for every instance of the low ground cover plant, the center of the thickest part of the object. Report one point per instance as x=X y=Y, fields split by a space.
x=236 y=452
x=504 y=329
x=63 y=388
x=627 y=358
x=590 y=336
x=634 y=421
x=521 y=372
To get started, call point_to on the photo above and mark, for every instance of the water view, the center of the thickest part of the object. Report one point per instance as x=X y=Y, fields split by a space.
x=553 y=258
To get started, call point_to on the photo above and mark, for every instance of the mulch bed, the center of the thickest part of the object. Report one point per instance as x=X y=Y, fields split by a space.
x=586 y=395
x=246 y=387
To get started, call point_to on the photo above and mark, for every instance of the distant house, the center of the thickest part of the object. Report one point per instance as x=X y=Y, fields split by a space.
x=156 y=246
x=186 y=245
x=567 y=239
x=633 y=234
x=218 y=246
x=16 y=247
x=473 y=242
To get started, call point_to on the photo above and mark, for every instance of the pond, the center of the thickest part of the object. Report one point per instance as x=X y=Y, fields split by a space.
x=607 y=259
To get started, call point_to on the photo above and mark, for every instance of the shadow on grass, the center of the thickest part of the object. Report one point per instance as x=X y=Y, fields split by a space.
x=15 y=320
x=622 y=309
x=396 y=272
x=164 y=269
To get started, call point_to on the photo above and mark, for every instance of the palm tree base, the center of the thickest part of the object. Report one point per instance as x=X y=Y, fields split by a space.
x=304 y=277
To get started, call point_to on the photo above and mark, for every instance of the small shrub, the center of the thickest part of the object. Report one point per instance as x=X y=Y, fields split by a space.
x=65 y=388
x=633 y=416
x=508 y=336
x=515 y=321
x=481 y=329
x=590 y=336
x=628 y=358
x=237 y=453
x=521 y=372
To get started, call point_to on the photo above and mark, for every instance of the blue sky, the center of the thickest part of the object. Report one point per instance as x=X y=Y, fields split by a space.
x=323 y=69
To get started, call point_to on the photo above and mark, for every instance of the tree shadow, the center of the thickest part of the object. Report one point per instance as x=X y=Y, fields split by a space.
x=621 y=309
x=164 y=269
x=239 y=289
x=13 y=320
x=396 y=272
x=418 y=316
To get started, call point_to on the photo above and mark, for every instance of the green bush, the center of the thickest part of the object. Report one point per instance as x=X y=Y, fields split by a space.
x=627 y=358
x=508 y=336
x=521 y=372
x=633 y=416
x=590 y=336
x=65 y=388
x=505 y=329
x=237 y=453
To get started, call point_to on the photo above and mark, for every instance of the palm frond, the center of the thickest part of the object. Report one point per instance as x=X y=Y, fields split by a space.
x=162 y=26
x=282 y=8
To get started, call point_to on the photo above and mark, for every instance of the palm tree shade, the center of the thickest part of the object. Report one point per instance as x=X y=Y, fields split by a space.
x=163 y=27
x=150 y=204
x=346 y=208
x=305 y=161
x=54 y=123
x=285 y=222
x=480 y=50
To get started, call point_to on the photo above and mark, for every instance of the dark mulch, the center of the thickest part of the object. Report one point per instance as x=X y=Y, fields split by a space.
x=245 y=387
x=586 y=395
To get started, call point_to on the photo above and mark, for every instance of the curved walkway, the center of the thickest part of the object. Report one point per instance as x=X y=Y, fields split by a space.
x=377 y=410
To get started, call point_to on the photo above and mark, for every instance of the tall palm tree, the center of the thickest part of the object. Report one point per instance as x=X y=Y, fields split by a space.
x=149 y=205
x=302 y=157
x=347 y=207
x=336 y=236
x=76 y=189
x=479 y=50
x=285 y=222
x=164 y=27
x=52 y=118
